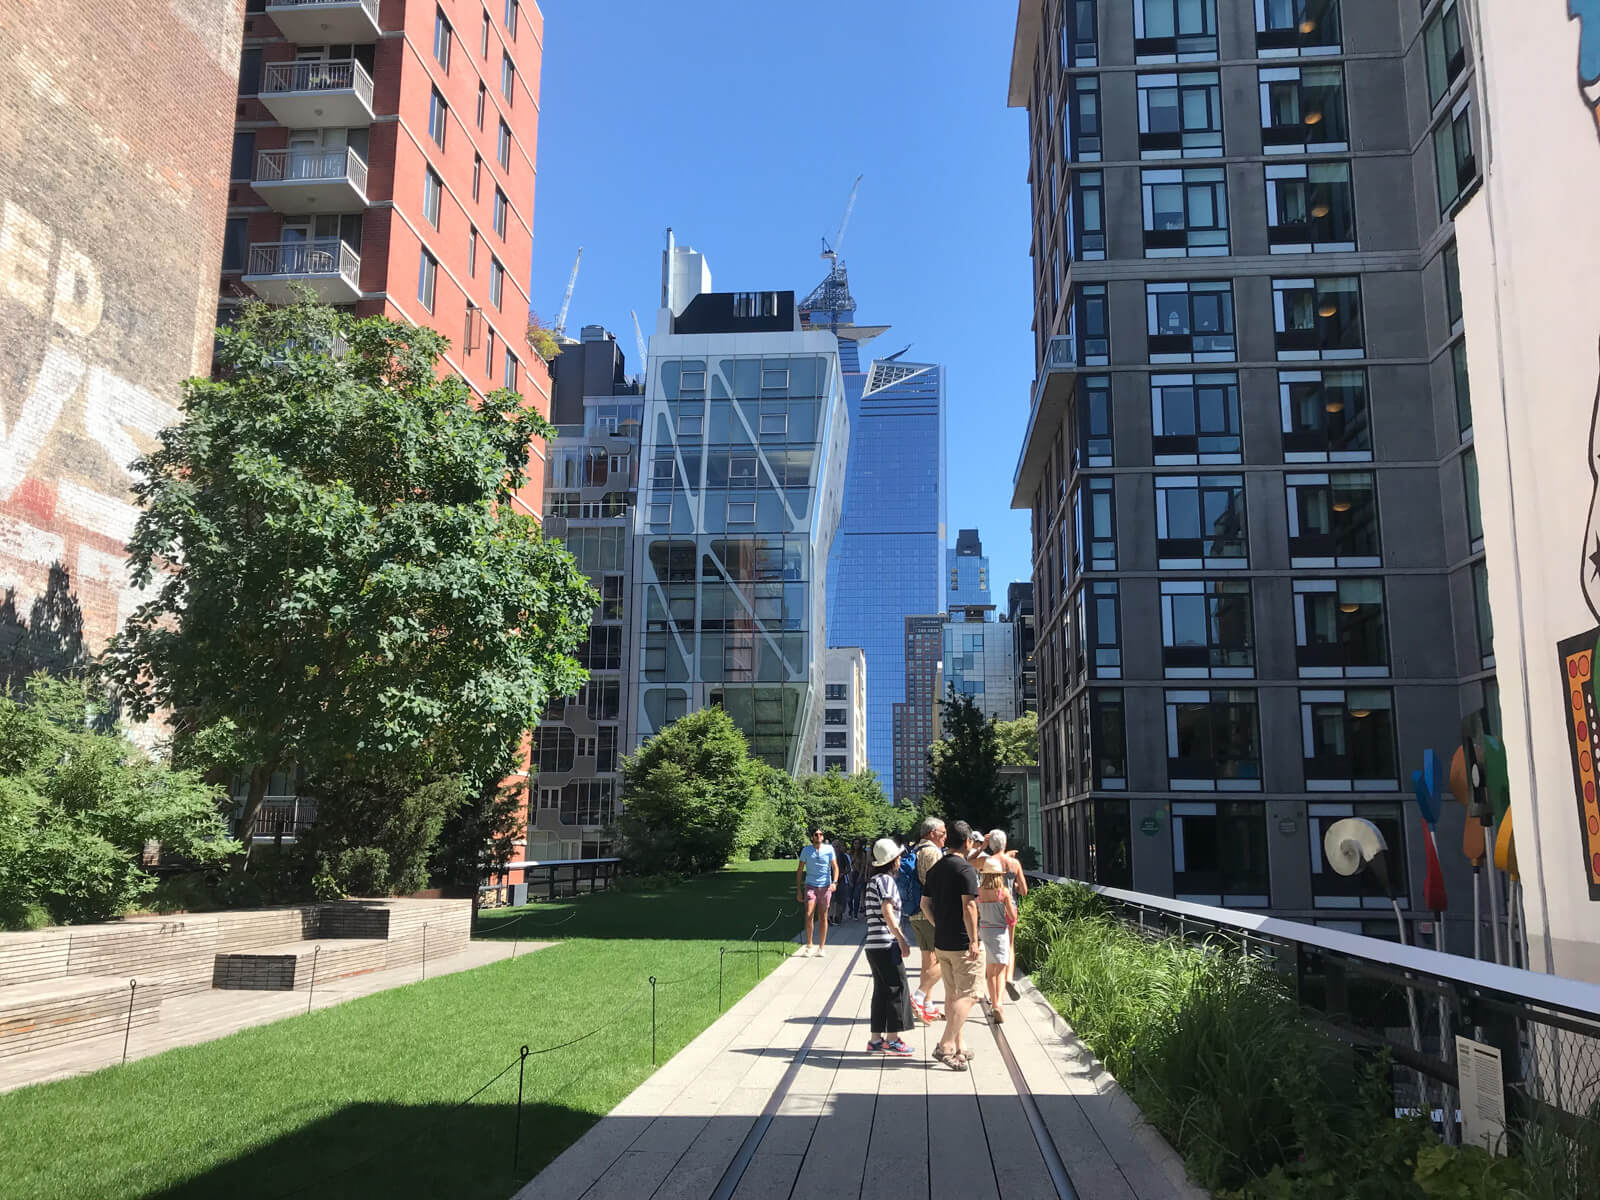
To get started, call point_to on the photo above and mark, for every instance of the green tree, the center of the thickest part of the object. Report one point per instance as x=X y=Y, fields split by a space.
x=965 y=762
x=1019 y=740
x=685 y=795
x=774 y=826
x=345 y=579
x=853 y=807
x=77 y=808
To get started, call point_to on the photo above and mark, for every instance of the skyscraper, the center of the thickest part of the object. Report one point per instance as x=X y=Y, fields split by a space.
x=1248 y=455
x=916 y=718
x=967 y=574
x=745 y=436
x=886 y=559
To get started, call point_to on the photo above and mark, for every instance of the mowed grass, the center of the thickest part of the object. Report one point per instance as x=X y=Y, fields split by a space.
x=365 y=1099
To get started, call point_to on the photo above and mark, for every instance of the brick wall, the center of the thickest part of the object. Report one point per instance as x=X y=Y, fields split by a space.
x=115 y=128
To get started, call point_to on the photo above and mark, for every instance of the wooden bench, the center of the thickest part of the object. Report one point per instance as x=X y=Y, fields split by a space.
x=49 y=1012
x=289 y=966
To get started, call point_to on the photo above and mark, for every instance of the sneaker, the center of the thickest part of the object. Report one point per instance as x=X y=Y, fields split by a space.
x=928 y=1012
x=898 y=1048
x=876 y=1045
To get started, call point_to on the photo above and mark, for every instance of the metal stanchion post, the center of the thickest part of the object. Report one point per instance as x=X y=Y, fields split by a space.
x=722 y=957
x=424 y=949
x=516 y=1140
x=652 y=1020
x=312 y=989
x=127 y=1029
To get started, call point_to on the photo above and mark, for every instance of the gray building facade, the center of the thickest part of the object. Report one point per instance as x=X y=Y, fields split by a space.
x=1257 y=560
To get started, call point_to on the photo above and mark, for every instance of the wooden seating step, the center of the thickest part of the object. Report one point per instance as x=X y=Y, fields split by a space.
x=289 y=966
x=49 y=1012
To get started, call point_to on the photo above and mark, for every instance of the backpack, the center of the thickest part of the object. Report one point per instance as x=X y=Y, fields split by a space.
x=910 y=885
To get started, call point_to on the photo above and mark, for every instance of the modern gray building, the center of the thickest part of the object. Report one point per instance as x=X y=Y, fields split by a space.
x=745 y=436
x=1024 y=635
x=967 y=571
x=916 y=718
x=980 y=662
x=591 y=484
x=1257 y=555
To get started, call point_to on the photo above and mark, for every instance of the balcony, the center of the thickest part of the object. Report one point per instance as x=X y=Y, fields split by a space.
x=319 y=22
x=336 y=94
x=311 y=181
x=1050 y=396
x=330 y=268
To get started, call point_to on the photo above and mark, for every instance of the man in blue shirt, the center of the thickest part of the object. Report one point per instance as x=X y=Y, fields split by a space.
x=813 y=886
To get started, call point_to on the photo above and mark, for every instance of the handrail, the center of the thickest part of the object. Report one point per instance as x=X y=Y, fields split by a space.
x=1528 y=987
x=317 y=75
x=328 y=256
x=371 y=6
x=296 y=166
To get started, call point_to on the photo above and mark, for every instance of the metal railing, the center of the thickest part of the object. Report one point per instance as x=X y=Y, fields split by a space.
x=370 y=7
x=1362 y=990
x=316 y=75
x=327 y=257
x=302 y=166
x=285 y=818
x=552 y=878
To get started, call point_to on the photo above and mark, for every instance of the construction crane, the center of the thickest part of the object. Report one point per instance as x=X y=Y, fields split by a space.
x=638 y=337
x=566 y=301
x=832 y=252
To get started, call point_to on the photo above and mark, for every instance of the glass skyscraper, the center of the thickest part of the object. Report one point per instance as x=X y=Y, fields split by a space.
x=887 y=559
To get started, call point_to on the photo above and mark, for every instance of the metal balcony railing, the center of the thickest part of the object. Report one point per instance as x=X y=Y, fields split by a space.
x=370 y=7
x=333 y=75
x=302 y=166
x=329 y=257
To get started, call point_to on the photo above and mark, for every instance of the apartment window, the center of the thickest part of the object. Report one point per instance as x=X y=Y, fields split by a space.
x=1325 y=416
x=511 y=18
x=836 y=691
x=1329 y=889
x=1078 y=34
x=1469 y=482
x=1339 y=628
x=483 y=102
x=1453 y=159
x=834 y=740
x=1451 y=263
x=483 y=36
x=554 y=748
x=833 y=762
x=477 y=175
x=1091 y=321
x=1200 y=522
x=1302 y=110
x=500 y=212
x=1333 y=520
x=1212 y=741
x=249 y=73
x=1458 y=371
x=1480 y=597
x=835 y=716
x=1082 y=120
x=488 y=356
x=1310 y=208
x=513 y=367
x=426 y=275
x=611 y=588
x=242 y=164
x=508 y=78
x=1206 y=629
x=1219 y=853
x=1092 y=448
x=441 y=39
x=1317 y=318
x=503 y=148
x=432 y=191
x=438 y=117
x=1195 y=419
x=1089 y=220
x=235 y=240
x=602 y=649
x=497 y=281
x=1180 y=116
x=472 y=253
x=1102 y=628
x=1174 y=30
x=1185 y=213
x=1190 y=322
x=1286 y=27
x=1094 y=526
x=1446 y=55
x=606 y=752
x=1348 y=739
x=1109 y=740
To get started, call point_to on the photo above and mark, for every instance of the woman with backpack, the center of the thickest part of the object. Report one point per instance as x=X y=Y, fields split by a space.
x=886 y=949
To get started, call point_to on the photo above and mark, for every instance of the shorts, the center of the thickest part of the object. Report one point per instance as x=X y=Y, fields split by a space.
x=922 y=930
x=962 y=976
x=821 y=896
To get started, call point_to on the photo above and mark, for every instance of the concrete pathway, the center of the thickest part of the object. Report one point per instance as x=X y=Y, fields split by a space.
x=779 y=1098
x=204 y=1016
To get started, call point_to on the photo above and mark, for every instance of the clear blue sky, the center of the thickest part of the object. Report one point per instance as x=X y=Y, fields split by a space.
x=741 y=124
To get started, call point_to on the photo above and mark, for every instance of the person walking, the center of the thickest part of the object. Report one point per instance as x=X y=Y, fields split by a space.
x=861 y=871
x=1017 y=882
x=886 y=949
x=813 y=886
x=841 y=891
x=929 y=850
x=997 y=913
x=950 y=901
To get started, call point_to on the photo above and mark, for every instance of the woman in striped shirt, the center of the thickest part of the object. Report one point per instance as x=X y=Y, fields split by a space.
x=887 y=948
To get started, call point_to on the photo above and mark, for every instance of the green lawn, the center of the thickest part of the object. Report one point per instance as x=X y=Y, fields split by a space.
x=365 y=1099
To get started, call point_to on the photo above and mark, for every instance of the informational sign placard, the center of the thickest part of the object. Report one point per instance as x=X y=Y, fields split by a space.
x=1483 y=1095
x=1150 y=826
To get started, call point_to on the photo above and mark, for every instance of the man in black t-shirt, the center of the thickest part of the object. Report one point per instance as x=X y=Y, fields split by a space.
x=950 y=901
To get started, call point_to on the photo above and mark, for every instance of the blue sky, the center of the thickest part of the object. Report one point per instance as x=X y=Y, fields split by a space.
x=741 y=123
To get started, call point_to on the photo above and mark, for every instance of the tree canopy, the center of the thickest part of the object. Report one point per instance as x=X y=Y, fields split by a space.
x=343 y=577
x=1019 y=740
x=965 y=762
x=686 y=793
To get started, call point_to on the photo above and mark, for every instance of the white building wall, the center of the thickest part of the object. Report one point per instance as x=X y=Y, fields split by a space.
x=844 y=712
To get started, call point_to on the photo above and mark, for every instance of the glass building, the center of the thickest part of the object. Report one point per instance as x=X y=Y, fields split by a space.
x=886 y=560
x=745 y=436
x=980 y=661
x=967 y=568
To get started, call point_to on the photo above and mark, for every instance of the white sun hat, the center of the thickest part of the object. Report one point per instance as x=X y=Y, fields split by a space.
x=883 y=850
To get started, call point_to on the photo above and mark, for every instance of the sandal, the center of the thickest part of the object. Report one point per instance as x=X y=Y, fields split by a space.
x=956 y=1062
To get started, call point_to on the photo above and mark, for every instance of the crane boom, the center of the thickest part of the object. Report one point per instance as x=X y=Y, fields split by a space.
x=638 y=337
x=832 y=252
x=566 y=301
